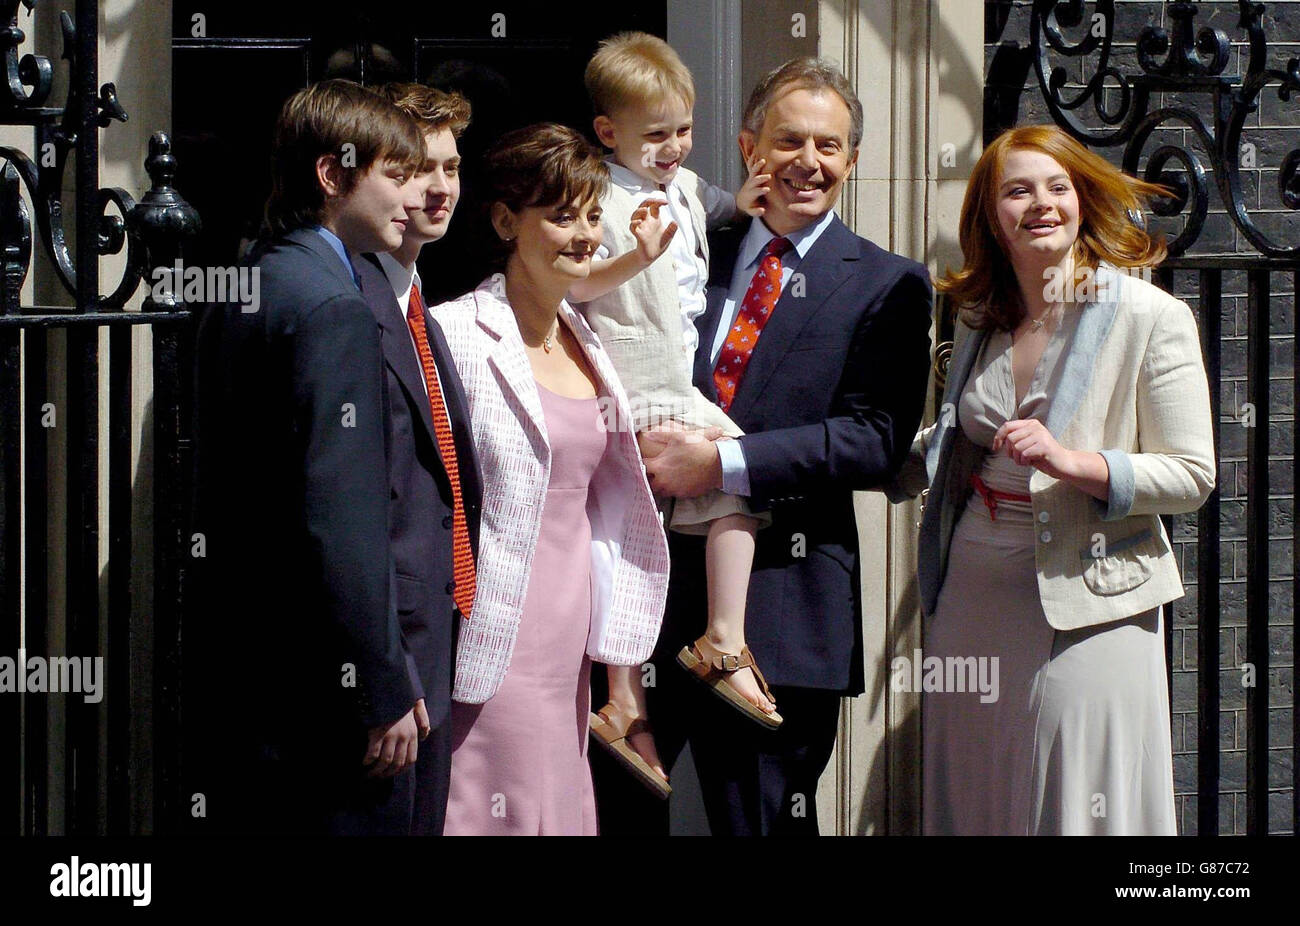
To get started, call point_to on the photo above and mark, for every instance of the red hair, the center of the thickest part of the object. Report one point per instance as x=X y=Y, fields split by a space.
x=985 y=289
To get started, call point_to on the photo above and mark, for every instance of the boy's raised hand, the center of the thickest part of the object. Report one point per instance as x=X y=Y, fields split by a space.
x=652 y=236
x=750 y=197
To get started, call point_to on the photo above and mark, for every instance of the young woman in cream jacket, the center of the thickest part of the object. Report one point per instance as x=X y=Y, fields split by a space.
x=1076 y=413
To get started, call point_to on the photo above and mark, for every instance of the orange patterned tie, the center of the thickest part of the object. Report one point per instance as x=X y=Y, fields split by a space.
x=462 y=554
x=764 y=290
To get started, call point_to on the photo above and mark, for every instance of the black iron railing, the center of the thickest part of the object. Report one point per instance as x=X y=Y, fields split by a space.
x=148 y=233
x=1193 y=67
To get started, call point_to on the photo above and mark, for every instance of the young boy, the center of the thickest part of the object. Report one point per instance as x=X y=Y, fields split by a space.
x=644 y=306
x=433 y=471
x=301 y=695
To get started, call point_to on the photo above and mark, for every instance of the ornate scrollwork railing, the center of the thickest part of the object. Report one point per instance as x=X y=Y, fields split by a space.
x=1179 y=59
x=29 y=80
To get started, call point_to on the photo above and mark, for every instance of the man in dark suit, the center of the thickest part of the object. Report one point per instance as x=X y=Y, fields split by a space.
x=829 y=391
x=436 y=489
x=303 y=710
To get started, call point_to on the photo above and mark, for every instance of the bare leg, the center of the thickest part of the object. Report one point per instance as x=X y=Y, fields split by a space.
x=628 y=695
x=729 y=557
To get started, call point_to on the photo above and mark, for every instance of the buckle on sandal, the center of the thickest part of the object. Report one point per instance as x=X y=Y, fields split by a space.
x=728 y=662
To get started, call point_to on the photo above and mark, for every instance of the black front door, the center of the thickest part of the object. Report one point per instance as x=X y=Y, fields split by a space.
x=234 y=64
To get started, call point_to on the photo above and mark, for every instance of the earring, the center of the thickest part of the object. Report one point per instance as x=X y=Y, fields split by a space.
x=508 y=240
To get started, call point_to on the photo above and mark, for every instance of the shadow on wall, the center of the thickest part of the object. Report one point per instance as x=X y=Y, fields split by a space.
x=894 y=767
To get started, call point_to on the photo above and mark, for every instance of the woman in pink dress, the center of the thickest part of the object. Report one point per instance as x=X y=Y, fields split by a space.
x=573 y=563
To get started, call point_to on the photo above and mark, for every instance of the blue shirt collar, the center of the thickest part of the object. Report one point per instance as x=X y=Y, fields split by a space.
x=336 y=243
x=802 y=240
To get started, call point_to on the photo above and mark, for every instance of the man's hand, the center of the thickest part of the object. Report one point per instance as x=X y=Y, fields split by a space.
x=750 y=198
x=681 y=463
x=392 y=748
x=652 y=236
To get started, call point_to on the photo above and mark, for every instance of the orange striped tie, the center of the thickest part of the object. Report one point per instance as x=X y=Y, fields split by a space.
x=462 y=554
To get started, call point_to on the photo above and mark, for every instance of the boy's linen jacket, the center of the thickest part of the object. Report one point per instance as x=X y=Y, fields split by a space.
x=629 y=552
x=1134 y=389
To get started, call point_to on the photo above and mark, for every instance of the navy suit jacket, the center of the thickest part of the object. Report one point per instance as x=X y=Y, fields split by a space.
x=420 y=525
x=296 y=648
x=829 y=403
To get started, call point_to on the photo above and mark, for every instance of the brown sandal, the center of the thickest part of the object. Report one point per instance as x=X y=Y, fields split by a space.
x=714 y=668
x=611 y=728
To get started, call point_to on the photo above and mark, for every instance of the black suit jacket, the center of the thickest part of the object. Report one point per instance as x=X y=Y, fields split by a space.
x=829 y=403
x=420 y=526
x=295 y=646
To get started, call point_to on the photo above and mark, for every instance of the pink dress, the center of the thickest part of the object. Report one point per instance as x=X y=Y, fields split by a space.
x=519 y=761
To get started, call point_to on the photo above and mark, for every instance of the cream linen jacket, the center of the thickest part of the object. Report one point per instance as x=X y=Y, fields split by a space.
x=629 y=552
x=1134 y=389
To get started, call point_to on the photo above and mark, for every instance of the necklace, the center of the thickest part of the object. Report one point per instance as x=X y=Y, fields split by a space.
x=1036 y=324
x=548 y=340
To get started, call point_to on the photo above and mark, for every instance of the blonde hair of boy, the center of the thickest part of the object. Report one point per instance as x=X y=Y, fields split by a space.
x=636 y=68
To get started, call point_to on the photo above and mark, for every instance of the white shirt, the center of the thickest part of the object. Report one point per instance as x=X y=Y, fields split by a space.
x=684 y=250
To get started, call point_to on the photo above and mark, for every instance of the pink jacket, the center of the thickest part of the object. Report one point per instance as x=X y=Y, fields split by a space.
x=629 y=552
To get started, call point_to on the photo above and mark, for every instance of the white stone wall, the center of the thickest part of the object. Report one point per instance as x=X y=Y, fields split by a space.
x=917 y=66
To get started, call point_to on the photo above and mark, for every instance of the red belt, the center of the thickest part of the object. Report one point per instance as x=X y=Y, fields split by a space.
x=991 y=496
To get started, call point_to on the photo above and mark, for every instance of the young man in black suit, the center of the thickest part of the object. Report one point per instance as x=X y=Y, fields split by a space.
x=829 y=397
x=436 y=490
x=302 y=703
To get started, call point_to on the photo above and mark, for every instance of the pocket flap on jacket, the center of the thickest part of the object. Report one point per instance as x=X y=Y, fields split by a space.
x=411 y=594
x=1125 y=565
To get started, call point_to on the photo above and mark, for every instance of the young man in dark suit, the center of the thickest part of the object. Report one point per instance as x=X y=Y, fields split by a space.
x=433 y=471
x=302 y=705
x=829 y=392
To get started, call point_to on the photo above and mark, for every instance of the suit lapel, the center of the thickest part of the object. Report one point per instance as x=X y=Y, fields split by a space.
x=507 y=357
x=395 y=336
x=828 y=264
x=400 y=355
x=707 y=326
x=1081 y=354
x=963 y=361
x=960 y=367
x=725 y=251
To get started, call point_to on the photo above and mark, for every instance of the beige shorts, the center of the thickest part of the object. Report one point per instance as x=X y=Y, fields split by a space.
x=694 y=515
